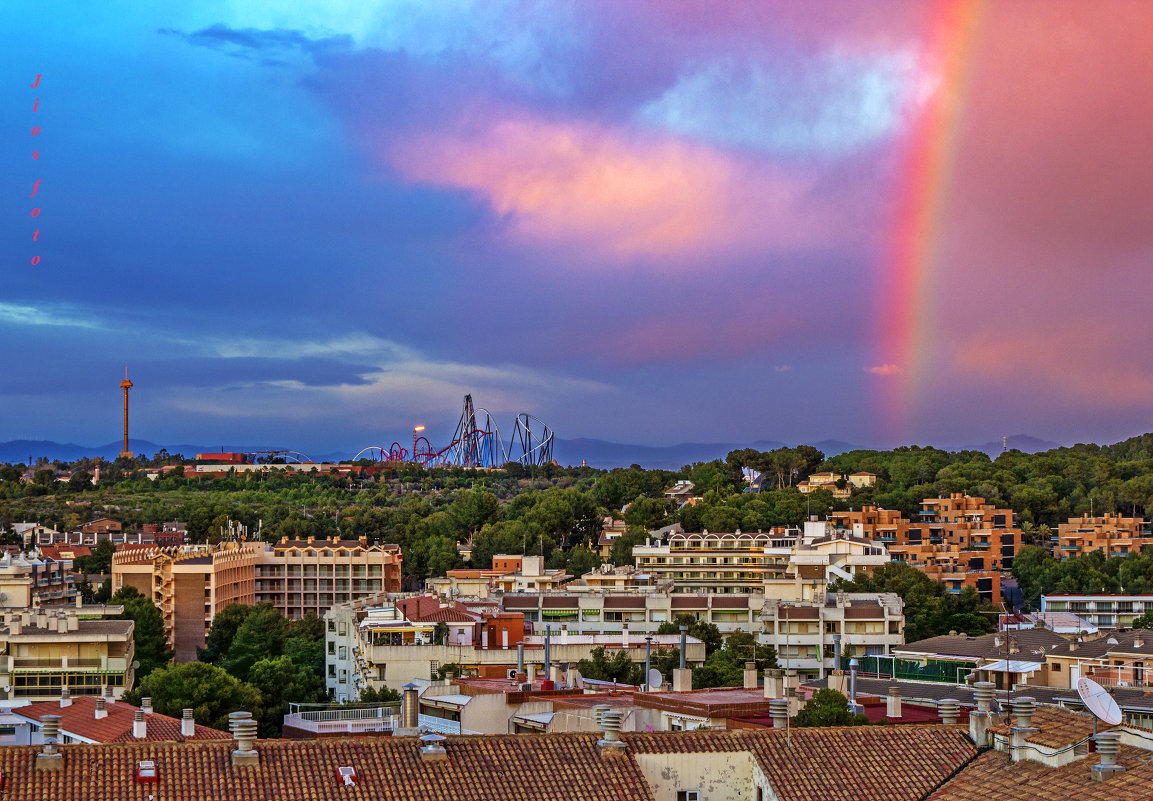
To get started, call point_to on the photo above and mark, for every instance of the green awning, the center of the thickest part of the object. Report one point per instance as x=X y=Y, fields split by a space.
x=559 y=612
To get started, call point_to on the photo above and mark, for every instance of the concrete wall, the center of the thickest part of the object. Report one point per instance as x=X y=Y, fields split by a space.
x=716 y=776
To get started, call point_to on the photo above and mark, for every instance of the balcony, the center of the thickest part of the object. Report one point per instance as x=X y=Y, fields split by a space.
x=362 y=720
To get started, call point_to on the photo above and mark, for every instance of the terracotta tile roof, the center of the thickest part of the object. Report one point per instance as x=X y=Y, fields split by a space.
x=1059 y=727
x=80 y=719
x=994 y=776
x=985 y=647
x=562 y=767
x=446 y=615
x=859 y=763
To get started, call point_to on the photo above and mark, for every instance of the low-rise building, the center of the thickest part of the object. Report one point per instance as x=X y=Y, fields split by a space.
x=44 y=650
x=509 y=573
x=832 y=482
x=29 y=580
x=1006 y=659
x=809 y=638
x=1105 y=610
x=103 y=719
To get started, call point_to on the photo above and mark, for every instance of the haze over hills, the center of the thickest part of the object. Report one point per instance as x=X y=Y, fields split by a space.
x=596 y=452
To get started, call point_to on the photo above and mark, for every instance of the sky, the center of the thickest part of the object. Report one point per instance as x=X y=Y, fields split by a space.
x=318 y=224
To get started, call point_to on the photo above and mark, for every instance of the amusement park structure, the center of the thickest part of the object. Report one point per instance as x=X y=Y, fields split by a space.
x=476 y=442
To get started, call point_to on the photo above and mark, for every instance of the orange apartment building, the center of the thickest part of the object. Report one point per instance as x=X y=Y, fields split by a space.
x=1110 y=534
x=960 y=540
x=192 y=584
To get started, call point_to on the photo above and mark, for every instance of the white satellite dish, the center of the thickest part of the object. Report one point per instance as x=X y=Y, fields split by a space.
x=655 y=680
x=578 y=680
x=1098 y=701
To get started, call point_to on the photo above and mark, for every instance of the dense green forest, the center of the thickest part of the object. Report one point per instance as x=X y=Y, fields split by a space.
x=556 y=511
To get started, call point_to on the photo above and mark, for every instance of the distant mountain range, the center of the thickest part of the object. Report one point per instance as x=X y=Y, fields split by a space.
x=595 y=452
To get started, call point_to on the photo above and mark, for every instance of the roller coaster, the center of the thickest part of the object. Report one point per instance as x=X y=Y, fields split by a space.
x=476 y=442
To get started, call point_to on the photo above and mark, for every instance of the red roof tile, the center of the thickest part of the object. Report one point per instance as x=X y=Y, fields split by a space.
x=79 y=719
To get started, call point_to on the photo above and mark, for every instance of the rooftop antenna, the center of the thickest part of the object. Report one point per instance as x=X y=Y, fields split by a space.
x=1004 y=444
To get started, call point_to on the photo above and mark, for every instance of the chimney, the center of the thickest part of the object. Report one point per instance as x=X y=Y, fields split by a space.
x=101 y=712
x=998 y=641
x=1139 y=641
x=433 y=748
x=547 y=645
x=684 y=644
x=854 y=707
x=836 y=652
x=519 y=658
x=774 y=683
x=243 y=729
x=139 y=725
x=409 y=709
x=146 y=705
x=611 y=726
x=893 y=703
x=779 y=712
x=980 y=718
x=1108 y=743
x=14 y=626
x=73 y=622
x=598 y=710
x=187 y=724
x=949 y=710
x=1023 y=711
x=108 y=699
x=751 y=676
x=50 y=757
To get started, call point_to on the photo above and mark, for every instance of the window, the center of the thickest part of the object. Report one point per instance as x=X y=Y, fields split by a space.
x=343 y=676
x=688 y=795
x=1056 y=667
x=331 y=671
x=331 y=648
x=343 y=653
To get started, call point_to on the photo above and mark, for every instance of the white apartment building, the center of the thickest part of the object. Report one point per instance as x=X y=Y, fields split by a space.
x=1103 y=611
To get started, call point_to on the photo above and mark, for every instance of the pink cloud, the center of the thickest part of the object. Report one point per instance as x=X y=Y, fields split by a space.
x=618 y=194
x=884 y=370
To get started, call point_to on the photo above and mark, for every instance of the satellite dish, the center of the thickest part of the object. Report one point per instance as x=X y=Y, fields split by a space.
x=1098 y=701
x=655 y=680
x=578 y=680
x=1112 y=641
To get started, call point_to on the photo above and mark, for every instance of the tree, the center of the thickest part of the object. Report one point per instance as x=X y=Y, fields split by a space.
x=261 y=636
x=385 y=695
x=148 y=637
x=282 y=681
x=223 y=631
x=708 y=633
x=828 y=708
x=619 y=669
x=1144 y=622
x=98 y=561
x=210 y=692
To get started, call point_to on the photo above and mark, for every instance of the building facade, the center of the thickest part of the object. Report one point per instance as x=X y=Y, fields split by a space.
x=43 y=651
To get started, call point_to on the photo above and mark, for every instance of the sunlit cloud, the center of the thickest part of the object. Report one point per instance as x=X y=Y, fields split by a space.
x=615 y=193
x=884 y=370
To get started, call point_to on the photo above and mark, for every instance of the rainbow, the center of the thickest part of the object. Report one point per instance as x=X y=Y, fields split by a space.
x=922 y=190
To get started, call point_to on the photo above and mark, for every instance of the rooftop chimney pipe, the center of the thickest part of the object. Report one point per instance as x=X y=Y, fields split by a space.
x=409 y=714
x=1108 y=743
x=187 y=724
x=684 y=644
x=49 y=757
x=101 y=712
x=648 y=659
x=65 y=697
x=520 y=657
x=836 y=652
x=139 y=725
x=243 y=729
x=547 y=660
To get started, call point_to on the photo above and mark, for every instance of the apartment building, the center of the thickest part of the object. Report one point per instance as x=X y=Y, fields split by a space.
x=1104 y=611
x=302 y=576
x=1110 y=534
x=43 y=650
x=193 y=583
x=793 y=564
x=639 y=613
x=29 y=580
x=810 y=638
